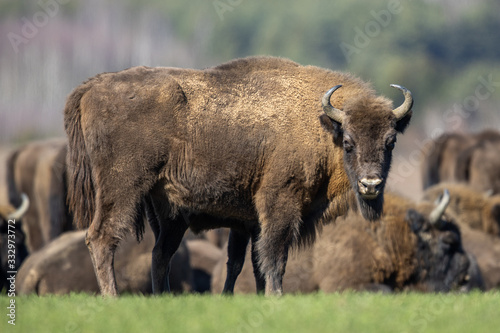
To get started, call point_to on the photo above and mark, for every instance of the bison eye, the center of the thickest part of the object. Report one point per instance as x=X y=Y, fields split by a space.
x=348 y=144
x=390 y=143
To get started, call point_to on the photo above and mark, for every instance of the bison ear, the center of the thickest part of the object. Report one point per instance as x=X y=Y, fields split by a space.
x=415 y=220
x=331 y=126
x=403 y=123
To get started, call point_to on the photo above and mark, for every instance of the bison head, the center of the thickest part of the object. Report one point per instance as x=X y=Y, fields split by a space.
x=368 y=126
x=442 y=263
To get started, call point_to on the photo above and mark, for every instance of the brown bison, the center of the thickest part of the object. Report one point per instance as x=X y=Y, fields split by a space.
x=64 y=266
x=479 y=166
x=39 y=170
x=12 y=239
x=255 y=145
x=451 y=157
x=477 y=209
x=412 y=247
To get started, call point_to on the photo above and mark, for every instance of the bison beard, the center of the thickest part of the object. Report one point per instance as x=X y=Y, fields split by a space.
x=238 y=143
x=370 y=209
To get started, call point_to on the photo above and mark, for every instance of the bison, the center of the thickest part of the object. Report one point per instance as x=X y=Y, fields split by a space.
x=449 y=158
x=255 y=145
x=479 y=165
x=64 y=265
x=477 y=209
x=413 y=247
x=12 y=239
x=39 y=170
x=486 y=249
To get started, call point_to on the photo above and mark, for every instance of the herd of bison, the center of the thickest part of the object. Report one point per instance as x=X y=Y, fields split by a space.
x=408 y=249
x=447 y=241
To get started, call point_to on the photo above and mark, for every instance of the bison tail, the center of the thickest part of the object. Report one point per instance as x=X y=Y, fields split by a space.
x=81 y=189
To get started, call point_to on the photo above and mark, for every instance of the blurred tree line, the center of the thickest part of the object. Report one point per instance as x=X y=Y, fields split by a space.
x=437 y=48
x=430 y=45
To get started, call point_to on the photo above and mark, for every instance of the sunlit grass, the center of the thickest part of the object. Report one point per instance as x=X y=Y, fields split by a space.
x=347 y=312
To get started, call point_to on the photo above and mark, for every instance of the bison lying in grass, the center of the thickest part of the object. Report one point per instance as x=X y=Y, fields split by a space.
x=486 y=249
x=413 y=247
x=477 y=209
x=478 y=215
x=64 y=266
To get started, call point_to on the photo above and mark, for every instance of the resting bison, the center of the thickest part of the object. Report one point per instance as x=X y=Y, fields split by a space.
x=412 y=247
x=64 y=266
x=12 y=239
x=477 y=209
x=254 y=139
x=39 y=170
x=486 y=249
x=448 y=159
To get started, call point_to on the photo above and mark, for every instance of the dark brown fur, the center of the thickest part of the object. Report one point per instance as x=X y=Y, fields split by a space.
x=227 y=146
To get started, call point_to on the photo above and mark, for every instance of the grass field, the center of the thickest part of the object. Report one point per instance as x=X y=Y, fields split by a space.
x=346 y=312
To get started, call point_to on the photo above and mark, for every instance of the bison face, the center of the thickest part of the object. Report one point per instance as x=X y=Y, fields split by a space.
x=442 y=264
x=369 y=126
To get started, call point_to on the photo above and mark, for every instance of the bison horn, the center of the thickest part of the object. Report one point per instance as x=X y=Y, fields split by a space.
x=333 y=113
x=404 y=108
x=435 y=215
x=21 y=210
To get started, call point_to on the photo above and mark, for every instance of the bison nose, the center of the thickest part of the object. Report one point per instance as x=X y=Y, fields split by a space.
x=369 y=188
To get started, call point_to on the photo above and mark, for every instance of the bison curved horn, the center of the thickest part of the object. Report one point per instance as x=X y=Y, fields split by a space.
x=404 y=108
x=435 y=215
x=18 y=213
x=333 y=113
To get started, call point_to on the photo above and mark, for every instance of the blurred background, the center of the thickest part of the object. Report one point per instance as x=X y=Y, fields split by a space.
x=446 y=52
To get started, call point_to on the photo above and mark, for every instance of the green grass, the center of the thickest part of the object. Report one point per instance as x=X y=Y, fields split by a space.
x=347 y=312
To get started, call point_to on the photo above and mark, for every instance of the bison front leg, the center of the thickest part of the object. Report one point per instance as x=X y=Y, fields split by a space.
x=279 y=216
